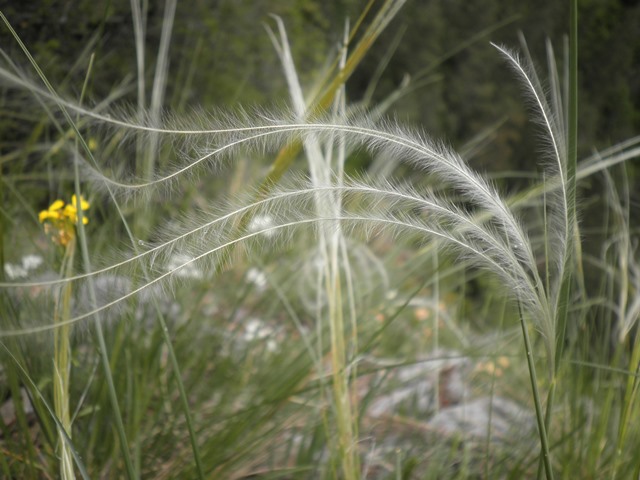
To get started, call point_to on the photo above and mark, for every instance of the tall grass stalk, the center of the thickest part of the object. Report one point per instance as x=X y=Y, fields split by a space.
x=63 y=433
x=163 y=326
x=148 y=146
x=566 y=167
x=571 y=233
x=102 y=346
x=62 y=363
x=147 y=155
x=325 y=170
x=159 y=84
x=62 y=348
x=545 y=456
x=385 y=14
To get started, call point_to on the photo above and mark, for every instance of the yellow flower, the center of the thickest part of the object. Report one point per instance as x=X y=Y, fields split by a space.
x=61 y=219
x=71 y=210
x=53 y=212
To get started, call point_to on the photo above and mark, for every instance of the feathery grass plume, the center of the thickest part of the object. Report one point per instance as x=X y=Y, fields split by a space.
x=434 y=159
x=413 y=149
x=560 y=224
x=204 y=236
x=627 y=271
x=395 y=142
x=551 y=121
x=623 y=272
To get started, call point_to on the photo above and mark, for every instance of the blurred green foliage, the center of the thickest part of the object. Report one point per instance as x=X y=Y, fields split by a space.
x=221 y=57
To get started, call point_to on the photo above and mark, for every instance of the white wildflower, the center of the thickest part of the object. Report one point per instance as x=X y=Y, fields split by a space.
x=188 y=270
x=29 y=262
x=258 y=278
x=261 y=223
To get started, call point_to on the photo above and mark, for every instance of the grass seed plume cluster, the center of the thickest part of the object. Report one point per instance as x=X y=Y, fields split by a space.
x=307 y=320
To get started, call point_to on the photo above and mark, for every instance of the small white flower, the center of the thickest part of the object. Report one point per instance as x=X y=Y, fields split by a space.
x=31 y=262
x=187 y=271
x=14 y=271
x=255 y=329
x=260 y=223
x=257 y=277
x=251 y=328
x=272 y=345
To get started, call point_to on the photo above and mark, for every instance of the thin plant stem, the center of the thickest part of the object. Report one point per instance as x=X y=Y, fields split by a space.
x=62 y=363
x=547 y=416
x=628 y=403
x=183 y=395
x=542 y=430
x=572 y=156
x=102 y=347
x=2 y=227
x=165 y=331
x=65 y=437
x=113 y=397
x=573 y=108
x=436 y=319
x=347 y=445
x=570 y=235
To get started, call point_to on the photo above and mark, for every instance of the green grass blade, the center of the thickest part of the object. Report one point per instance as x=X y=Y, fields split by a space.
x=83 y=244
x=59 y=425
x=540 y=417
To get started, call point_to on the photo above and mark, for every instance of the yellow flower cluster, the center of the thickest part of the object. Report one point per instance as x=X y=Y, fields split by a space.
x=61 y=219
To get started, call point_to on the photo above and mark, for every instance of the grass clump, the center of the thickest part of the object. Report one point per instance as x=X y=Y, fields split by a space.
x=260 y=335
